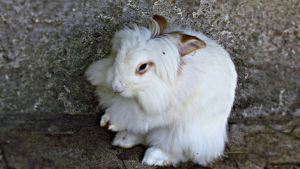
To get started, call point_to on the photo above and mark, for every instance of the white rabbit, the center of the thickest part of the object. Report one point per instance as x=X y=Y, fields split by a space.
x=169 y=90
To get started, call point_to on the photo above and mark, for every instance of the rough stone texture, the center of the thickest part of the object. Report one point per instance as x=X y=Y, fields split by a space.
x=49 y=114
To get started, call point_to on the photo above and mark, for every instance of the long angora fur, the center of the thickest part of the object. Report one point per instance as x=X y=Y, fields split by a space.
x=177 y=103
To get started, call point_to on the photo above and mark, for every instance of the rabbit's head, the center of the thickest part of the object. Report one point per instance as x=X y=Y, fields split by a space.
x=148 y=62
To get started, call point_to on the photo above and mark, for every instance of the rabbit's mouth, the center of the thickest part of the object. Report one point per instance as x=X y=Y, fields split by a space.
x=125 y=94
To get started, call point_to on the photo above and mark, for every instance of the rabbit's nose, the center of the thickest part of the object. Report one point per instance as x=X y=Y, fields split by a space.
x=117 y=85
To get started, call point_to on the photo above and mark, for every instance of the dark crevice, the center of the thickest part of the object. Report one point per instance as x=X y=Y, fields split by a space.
x=4 y=160
x=285 y=165
x=124 y=164
x=292 y=130
x=234 y=160
x=119 y=154
x=255 y=120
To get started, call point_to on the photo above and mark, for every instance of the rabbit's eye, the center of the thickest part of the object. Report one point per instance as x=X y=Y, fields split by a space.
x=142 y=68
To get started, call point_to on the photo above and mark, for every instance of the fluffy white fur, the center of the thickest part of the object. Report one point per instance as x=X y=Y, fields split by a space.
x=179 y=107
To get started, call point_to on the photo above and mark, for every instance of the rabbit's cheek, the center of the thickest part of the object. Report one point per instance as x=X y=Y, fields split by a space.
x=109 y=76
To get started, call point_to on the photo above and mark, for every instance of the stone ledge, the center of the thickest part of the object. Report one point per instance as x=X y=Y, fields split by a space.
x=66 y=141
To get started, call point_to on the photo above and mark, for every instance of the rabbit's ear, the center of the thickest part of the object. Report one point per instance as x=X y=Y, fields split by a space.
x=185 y=43
x=157 y=25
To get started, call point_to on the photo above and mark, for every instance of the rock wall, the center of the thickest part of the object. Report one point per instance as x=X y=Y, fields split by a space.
x=46 y=47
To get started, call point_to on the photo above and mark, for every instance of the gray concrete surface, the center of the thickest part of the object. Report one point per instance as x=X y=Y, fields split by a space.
x=49 y=114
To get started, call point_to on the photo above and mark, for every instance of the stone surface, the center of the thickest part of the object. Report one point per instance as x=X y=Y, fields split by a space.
x=77 y=141
x=49 y=113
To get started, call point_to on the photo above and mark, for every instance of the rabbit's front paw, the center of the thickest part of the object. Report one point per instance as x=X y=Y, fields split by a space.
x=126 y=139
x=105 y=122
x=113 y=127
x=155 y=156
